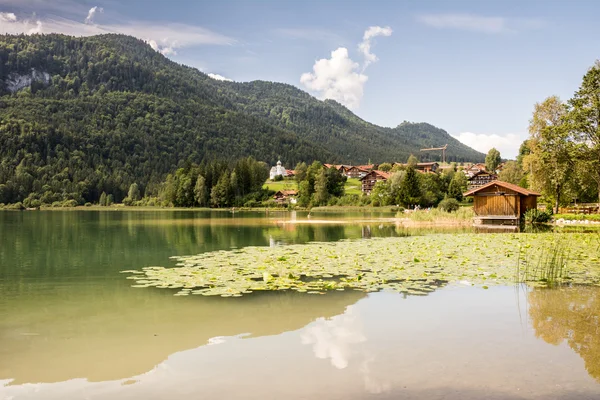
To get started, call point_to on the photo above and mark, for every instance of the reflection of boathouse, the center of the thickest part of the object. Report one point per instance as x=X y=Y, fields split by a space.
x=501 y=203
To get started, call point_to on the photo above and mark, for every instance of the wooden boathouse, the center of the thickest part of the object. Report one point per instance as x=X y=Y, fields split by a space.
x=501 y=203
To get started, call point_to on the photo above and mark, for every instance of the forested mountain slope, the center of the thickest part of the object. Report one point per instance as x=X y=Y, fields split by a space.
x=79 y=116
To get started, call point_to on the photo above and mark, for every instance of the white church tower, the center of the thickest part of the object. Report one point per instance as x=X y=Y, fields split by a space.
x=277 y=170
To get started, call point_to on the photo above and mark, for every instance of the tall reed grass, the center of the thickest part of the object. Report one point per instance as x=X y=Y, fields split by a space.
x=550 y=266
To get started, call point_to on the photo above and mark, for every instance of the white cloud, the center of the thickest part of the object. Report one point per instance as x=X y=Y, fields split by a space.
x=507 y=145
x=36 y=29
x=92 y=13
x=7 y=17
x=365 y=45
x=339 y=78
x=164 y=38
x=479 y=23
x=220 y=77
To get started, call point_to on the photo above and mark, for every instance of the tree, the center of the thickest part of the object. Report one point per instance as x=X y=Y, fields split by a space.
x=110 y=200
x=412 y=161
x=511 y=173
x=458 y=185
x=300 y=171
x=492 y=160
x=201 y=191
x=134 y=192
x=220 y=193
x=386 y=167
x=321 y=195
x=410 y=191
x=102 y=201
x=584 y=121
x=550 y=162
x=335 y=182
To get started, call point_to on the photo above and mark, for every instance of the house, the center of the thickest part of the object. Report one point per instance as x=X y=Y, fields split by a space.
x=277 y=170
x=370 y=179
x=428 y=166
x=290 y=172
x=480 y=178
x=501 y=203
x=340 y=167
x=422 y=167
x=355 y=172
x=285 y=196
x=474 y=168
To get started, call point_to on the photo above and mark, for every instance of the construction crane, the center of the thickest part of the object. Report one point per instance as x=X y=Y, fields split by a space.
x=443 y=149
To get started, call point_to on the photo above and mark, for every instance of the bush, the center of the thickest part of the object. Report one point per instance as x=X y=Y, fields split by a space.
x=88 y=204
x=449 y=205
x=127 y=201
x=278 y=178
x=70 y=203
x=56 y=204
x=535 y=216
x=16 y=206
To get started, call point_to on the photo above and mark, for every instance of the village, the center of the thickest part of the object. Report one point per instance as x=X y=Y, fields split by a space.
x=369 y=175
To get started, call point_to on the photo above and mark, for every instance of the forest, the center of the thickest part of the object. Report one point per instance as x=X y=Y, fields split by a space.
x=98 y=114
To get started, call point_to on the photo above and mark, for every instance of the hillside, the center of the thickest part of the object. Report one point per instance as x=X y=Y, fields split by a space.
x=79 y=115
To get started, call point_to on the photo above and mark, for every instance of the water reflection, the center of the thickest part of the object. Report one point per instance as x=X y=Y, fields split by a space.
x=571 y=315
x=341 y=338
x=106 y=334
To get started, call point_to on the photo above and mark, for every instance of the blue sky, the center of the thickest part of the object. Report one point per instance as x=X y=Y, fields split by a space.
x=473 y=68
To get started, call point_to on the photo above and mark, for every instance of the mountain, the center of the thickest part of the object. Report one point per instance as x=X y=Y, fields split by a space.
x=79 y=115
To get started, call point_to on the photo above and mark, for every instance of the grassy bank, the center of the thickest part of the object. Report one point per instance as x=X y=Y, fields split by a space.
x=577 y=217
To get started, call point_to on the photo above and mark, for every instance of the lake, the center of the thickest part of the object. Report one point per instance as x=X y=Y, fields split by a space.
x=72 y=326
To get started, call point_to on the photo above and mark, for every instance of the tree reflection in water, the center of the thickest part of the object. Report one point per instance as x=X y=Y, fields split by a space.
x=571 y=314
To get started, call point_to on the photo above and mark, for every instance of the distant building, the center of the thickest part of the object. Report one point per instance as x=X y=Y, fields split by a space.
x=480 y=178
x=370 y=179
x=286 y=196
x=501 y=203
x=278 y=170
x=422 y=167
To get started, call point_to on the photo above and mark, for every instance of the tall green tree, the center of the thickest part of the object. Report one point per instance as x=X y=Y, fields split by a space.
x=550 y=162
x=102 y=201
x=220 y=194
x=412 y=161
x=335 y=182
x=458 y=186
x=300 y=171
x=321 y=195
x=492 y=160
x=134 y=192
x=511 y=173
x=201 y=194
x=584 y=121
x=410 y=190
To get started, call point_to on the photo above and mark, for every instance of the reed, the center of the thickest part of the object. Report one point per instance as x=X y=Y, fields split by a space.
x=549 y=266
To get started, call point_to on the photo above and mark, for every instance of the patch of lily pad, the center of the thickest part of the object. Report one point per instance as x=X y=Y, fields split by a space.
x=412 y=265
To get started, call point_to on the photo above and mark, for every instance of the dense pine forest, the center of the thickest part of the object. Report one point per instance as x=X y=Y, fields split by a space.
x=83 y=116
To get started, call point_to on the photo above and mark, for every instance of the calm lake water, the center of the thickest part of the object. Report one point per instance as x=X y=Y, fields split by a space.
x=71 y=326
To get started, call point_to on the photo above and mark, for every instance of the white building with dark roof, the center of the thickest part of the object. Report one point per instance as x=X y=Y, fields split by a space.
x=277 y=170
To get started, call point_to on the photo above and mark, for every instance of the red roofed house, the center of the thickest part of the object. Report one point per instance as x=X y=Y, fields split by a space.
x=501 y=203
x=285 y=196
x=369 y=180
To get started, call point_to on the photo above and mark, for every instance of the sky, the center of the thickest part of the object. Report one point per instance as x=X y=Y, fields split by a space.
x=473 y=68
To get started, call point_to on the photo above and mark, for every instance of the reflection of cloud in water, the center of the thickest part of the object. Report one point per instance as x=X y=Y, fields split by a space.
x=333 y=338
x=339 y=339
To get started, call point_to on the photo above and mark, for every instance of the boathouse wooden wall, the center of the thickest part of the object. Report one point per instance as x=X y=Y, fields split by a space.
x=497 y=201
x=502 y=201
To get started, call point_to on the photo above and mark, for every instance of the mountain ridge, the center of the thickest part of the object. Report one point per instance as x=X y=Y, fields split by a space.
x=112 y=111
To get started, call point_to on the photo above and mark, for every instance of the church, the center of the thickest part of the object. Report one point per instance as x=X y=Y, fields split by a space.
x=277 y=170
